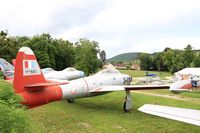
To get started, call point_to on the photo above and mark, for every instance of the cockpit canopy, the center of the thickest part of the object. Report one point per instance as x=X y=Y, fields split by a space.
x=109 y=71
x=70 y=69
x=47 y=70
x=5 y=66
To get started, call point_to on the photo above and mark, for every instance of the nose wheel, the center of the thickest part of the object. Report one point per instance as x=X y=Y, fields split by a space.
x=128 y=102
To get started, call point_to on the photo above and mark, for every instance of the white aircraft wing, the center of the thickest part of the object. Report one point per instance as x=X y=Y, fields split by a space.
x=108 y=89
x=180 y=114
x=128 y=87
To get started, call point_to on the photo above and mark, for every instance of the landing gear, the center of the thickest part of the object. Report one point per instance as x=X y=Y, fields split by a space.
x=128 y=102
x=70 y=100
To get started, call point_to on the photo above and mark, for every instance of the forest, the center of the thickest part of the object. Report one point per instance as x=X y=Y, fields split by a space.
x=55 y=53
x=171 y=60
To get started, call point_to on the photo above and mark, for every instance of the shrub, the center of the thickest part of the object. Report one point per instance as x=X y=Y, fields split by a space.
x=13 y=117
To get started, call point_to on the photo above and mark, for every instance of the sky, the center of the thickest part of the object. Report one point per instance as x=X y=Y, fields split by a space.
x=119 y=26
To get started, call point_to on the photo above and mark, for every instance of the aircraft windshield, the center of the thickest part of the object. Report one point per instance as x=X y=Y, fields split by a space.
x=5 y=65
x=47 y=70
x=109 y=71
x=70 y=69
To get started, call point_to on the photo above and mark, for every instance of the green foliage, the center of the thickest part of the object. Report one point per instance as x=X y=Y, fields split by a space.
x=1 y=74
x=171 y=60
x=86 y=56
x=146 y=62
x=188 y=55
x=177 y=61
x=8 y=46
x=65 y=55
x=144 y=58
x=39 y=44
x=159 y=62
x=55 y=53
x=168 y=58
x=13 y=118
x=196 y=61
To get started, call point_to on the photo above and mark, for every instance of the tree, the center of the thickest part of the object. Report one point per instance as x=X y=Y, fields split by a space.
x=8 y=46
x=167 y=57
x=158 y=58
x=103 y=56
x=65 y=54
x=145 y=61
x=196 y=60
x=178 y=61
x=86 y=56
x=188 y=55
x=39 y=44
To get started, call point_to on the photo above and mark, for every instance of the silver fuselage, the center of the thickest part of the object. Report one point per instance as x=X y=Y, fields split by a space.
x=81 y=87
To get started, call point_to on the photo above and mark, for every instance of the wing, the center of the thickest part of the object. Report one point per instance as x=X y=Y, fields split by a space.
x=39 y=86
x=180 y=114
x=128 y=87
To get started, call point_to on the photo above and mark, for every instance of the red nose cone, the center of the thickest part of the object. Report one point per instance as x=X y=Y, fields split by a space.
x=182 y=85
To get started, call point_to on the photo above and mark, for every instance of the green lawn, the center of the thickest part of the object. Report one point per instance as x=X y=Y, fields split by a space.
x=136 y=73
x=162 y=75
x=193 y=94
x=104 y=114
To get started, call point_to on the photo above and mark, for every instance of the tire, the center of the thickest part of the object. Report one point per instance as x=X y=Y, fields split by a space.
x=124 y=107
x=70 y=100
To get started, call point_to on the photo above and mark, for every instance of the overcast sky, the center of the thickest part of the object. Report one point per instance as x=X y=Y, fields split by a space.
x=118 y=25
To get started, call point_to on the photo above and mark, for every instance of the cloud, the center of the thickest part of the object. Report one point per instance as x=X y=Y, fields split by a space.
x=158 y=45
x=118 y=25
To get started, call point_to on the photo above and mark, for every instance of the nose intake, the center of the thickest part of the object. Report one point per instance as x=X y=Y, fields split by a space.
x=127 y=79
x=82 y=74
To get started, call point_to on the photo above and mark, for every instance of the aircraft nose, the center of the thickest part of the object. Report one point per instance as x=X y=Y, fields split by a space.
x=180 y=86
x=82 y=74
x=127 y=79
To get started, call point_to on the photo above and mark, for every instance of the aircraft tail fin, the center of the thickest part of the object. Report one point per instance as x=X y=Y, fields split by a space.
x=13 y=62
x=7 y=69
x=27 y=71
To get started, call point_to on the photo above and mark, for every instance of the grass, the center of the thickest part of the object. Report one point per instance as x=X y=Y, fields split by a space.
x=104 y=114
x=136 y=73
x=162 y=75
x=193 y=94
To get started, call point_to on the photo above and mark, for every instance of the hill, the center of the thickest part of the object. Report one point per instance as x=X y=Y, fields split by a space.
x=125 y=57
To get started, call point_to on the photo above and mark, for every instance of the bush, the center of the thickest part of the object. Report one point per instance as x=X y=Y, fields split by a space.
x=13 y=118
x=1 y=74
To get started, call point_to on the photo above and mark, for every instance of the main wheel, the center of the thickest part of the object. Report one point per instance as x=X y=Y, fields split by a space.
x=124 y=107
x=70 y=100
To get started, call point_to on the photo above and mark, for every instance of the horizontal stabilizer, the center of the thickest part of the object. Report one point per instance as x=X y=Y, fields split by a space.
x=44 y=84
x=180 y=114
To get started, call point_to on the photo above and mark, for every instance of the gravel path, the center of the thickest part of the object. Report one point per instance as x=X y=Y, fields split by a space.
x=177 y=97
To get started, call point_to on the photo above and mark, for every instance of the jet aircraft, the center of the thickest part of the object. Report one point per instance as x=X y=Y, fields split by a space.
x=30 y=84
x=7 y=69
x=69 y=73
x=49 y=74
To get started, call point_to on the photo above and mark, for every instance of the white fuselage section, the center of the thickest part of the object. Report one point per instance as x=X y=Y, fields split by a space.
x=81 y=87
x=64 y=75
